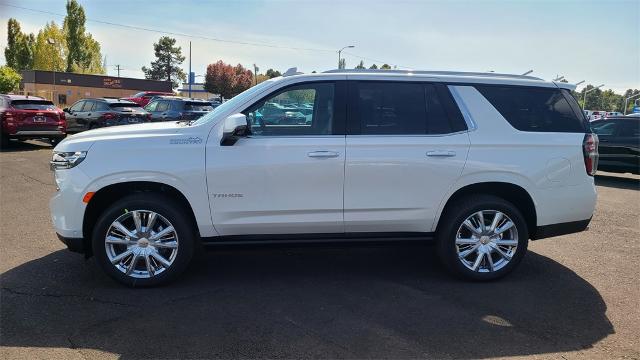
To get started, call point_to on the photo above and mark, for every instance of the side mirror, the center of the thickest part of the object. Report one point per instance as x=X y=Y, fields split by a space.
x=66 y=110
x=234 y=127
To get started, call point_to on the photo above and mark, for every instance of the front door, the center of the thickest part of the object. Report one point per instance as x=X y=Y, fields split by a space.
x=75 y=111
x=406 y=146
x=287 y=176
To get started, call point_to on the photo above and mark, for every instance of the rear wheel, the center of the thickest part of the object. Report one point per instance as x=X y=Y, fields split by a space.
x=482 y=238
x=144 y=240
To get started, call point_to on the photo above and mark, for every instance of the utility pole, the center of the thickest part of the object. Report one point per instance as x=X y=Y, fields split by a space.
x=584 y=99
x=118 y=68
x=255 y=74
x=626 y=102
x=190 y=69
x=340 y=52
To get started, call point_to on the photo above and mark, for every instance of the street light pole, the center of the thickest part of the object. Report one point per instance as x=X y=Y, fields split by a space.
x=626 y=102
x=52 y=41
x=190 y=69
x=584 y=99
x=340 y=52
x=527 y=73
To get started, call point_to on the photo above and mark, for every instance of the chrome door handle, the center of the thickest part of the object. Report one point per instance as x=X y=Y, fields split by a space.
x=323 y=154
x=441 y=153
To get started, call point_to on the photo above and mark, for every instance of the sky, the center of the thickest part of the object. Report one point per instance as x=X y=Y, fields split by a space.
x=595 y=41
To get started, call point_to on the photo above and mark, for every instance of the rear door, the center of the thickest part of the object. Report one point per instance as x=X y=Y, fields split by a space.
x=406 y=144
x=87 y=118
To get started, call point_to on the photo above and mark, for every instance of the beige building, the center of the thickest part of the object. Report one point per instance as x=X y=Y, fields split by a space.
x=66 y=88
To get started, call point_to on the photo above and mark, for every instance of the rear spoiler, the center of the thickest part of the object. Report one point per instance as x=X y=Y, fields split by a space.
x=564 y=85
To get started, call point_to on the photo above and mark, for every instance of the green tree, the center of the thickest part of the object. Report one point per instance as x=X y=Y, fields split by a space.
x=9 y=79
x=272 y=73
x=166 y=66
x=373 y=67
x=19 y=51
x=50 y=51
x=93 y=62
x=74 y=31
x=385 y=67
x=360 y=65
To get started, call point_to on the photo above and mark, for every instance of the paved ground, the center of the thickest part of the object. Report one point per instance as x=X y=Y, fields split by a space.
x=575 y=296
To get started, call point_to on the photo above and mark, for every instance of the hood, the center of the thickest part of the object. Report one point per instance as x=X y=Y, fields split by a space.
x=84 y=140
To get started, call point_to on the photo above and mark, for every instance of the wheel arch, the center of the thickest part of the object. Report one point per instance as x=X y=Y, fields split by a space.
x=508 y=191
x=108 y=194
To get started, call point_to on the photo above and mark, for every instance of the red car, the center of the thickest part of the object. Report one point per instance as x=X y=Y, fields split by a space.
x=143 y=98
x=30 y=117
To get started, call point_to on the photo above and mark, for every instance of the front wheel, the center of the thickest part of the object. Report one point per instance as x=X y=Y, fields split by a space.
x=482 y=238
x=144 y=240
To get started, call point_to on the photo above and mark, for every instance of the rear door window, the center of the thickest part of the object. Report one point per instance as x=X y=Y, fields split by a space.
x=404 y=108
x=534 y=109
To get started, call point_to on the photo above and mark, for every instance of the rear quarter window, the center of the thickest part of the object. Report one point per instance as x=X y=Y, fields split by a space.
x=535 y=109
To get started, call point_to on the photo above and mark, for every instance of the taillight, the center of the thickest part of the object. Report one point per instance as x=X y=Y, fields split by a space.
x=108 y=116
x=590 y=152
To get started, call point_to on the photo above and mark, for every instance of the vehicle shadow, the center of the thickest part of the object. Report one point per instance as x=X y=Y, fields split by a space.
x=327 y=302
x=15 y=146
x=618 y=182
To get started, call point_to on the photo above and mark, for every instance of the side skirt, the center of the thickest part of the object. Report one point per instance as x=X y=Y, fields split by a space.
x=298 y=239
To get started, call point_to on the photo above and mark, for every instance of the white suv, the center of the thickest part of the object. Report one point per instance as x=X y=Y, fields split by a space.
x=481 y=163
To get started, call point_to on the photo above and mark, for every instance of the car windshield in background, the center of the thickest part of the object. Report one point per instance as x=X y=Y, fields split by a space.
x=198 y=106
x=236 y=100
x=124 y=105
x=33 y=105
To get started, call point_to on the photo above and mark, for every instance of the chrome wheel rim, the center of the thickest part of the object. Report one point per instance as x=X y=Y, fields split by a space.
x=141 y=243
x=486 y=241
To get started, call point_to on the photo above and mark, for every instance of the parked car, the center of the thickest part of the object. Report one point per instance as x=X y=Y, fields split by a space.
x=595 y=115
x=276 y=114
x=87 y=114
x=619 y=144
x=144 y=97
x=176 y=108
x=610 y=114
x=479 y=163
x=30 y=117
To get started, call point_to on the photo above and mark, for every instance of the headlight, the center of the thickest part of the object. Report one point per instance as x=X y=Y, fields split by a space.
x=66 y=160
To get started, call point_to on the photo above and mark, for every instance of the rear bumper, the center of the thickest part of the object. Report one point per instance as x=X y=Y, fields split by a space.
x=73 y=244
x=547 y=231
x=37 y=133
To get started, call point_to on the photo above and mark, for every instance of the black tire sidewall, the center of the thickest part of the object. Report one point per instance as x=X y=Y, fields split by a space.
x=164 y=206
x=454 y=217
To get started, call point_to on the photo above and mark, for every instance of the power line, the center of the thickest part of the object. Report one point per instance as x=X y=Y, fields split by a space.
x=236 y=42
x=176 y=33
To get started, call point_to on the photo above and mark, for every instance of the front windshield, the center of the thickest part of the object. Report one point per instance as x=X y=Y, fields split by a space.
x=234 y=101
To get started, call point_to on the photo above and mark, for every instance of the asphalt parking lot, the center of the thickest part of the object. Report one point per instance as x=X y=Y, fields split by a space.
x=575 y=296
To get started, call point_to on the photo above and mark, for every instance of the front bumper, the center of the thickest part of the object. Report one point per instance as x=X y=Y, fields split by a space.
x=66 y=206
x=73 y=244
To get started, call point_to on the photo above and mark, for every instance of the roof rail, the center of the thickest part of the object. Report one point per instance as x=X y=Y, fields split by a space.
x=436 y=73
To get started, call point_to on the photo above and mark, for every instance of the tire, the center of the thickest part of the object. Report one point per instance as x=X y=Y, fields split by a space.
x=501 y=253
x=159 y=261
x=4 y=141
